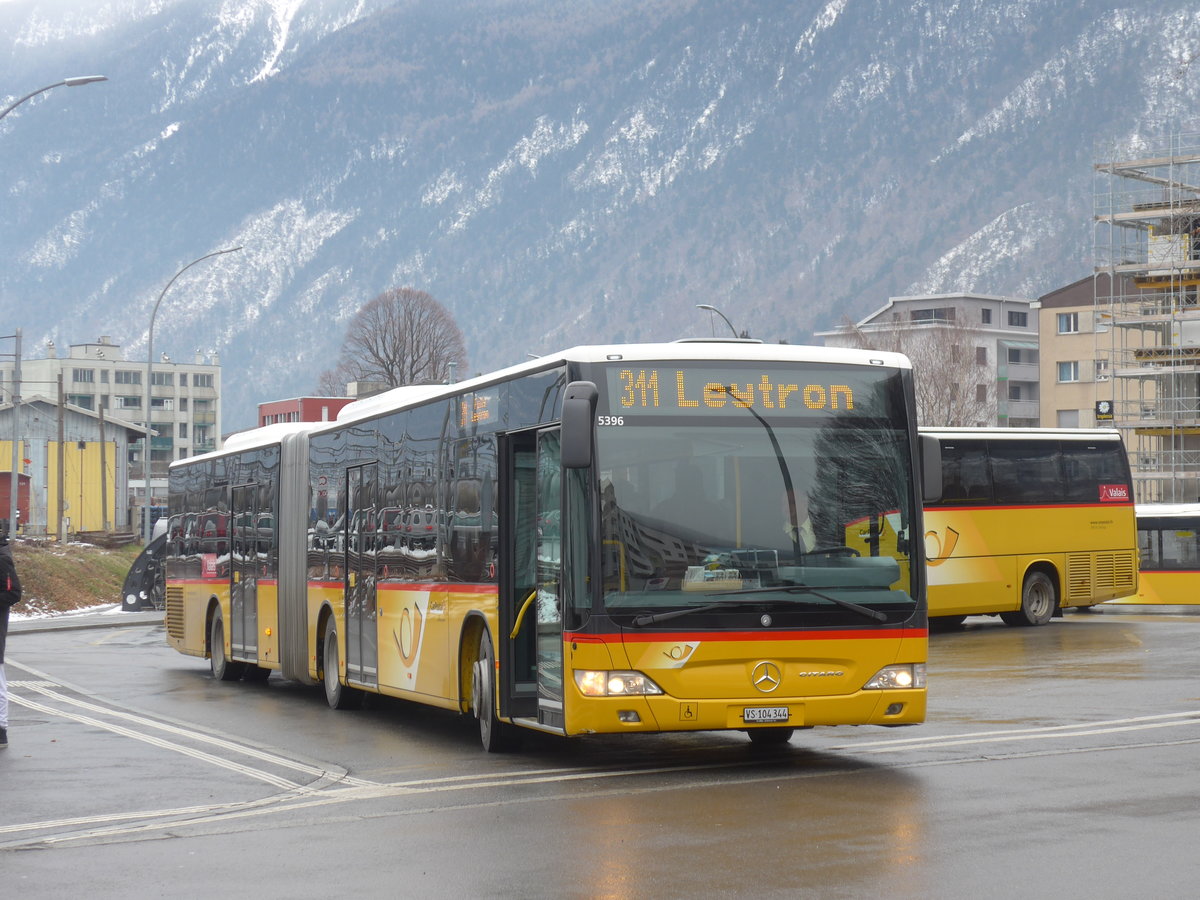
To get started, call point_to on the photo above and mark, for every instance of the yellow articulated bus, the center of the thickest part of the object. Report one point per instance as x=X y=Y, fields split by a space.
x=1029 y=522
x=1169 y=555
x=629 y=538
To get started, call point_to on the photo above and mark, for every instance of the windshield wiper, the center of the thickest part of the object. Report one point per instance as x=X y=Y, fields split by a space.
x=798 y=588
x=793 y=588
x=675 y=613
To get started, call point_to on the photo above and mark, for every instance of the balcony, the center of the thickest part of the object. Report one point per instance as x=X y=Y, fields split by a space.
x=1021 y=409
x=1022 y=372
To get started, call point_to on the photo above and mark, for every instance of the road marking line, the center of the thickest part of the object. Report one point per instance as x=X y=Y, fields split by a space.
x=996 y=739
x=1046 y=730
x=275 y=780
x=198 y=736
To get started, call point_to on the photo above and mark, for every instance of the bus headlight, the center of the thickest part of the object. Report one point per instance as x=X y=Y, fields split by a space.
x=614 y=684
x=892 y=678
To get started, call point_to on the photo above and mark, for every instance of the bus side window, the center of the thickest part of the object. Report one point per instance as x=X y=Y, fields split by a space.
x=965 y=478
x=1026 y=473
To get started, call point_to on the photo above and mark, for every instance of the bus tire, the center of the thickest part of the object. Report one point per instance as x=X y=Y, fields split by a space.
x=1039 y=599
x=223 y=668
x=770 y=737
x=496 y=736
x=337 y=695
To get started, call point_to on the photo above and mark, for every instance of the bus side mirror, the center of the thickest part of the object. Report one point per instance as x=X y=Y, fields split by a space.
x=578 y=421
x=931 y=468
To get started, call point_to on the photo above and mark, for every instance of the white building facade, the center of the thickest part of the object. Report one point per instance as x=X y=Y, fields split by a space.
x=185 y=403
x=980 y=346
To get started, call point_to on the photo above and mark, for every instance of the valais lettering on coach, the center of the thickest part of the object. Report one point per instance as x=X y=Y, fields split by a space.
x=1114 y=493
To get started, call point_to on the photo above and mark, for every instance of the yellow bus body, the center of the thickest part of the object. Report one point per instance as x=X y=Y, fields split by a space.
x=978 y=557
x=1156 y=588
x=1169 y=555
x=419 y=631
x=696 y=673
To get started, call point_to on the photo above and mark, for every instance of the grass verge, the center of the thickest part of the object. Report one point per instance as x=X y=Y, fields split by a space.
x=60 y=578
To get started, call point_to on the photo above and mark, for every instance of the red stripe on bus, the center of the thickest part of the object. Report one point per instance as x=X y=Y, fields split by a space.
x=832 y=634
x=933 y=508
x=416 y=586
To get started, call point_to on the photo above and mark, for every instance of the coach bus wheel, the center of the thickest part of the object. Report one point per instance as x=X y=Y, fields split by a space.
x=223 y=668
x=495 y=735
x=770 y=737
x=337 y=695
x=1038 y=600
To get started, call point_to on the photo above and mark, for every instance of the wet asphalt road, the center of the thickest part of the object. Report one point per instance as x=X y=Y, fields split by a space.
x=1056 y=761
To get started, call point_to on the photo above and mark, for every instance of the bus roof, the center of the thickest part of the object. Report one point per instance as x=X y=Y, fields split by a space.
x=263 y=436
x=1017 y=434
x=1167 y=510
x=693 y=349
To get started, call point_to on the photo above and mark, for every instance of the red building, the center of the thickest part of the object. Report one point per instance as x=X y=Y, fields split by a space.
x=301 y=409
x=22 y=496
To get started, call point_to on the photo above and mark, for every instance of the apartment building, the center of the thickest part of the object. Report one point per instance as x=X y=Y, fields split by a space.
x=975 y=356
x=1076 y=343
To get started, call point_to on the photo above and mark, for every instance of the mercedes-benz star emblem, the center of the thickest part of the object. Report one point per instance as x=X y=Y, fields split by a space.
x=766 y=677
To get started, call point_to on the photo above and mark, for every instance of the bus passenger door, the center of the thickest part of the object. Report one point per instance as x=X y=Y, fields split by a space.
x=530 y=607
x=362 y=550
x=243 y=572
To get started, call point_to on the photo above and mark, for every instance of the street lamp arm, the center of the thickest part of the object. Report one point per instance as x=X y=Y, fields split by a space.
x=711 y=308
x=74 y=81
x=174 y=278
x=150 y=376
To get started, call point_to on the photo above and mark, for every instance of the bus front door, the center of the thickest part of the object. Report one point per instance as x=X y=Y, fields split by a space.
x=531 y=612
x=362 y=551
x=243 y=573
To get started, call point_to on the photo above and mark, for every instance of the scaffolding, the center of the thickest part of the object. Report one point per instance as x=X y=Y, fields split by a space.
x=1147 y=274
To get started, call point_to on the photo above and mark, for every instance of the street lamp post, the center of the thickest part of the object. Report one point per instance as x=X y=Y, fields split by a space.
x=74 y=81
x=150 y=376
x=14 y=480
x=713 y=309
x=14 y=477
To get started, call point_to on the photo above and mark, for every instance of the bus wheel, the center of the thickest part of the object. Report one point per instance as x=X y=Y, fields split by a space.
x=770 y=737
x=496 y=736
x=223 y=668
x=337 y=695
x=1038 y=600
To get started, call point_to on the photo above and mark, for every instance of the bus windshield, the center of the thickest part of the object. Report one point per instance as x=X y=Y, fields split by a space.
x=740 y=502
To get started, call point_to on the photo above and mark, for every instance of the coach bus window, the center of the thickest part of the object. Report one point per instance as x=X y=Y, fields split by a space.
x=1026 y=472
x=965 y=477
x=1090 y=468
x=1168 y=544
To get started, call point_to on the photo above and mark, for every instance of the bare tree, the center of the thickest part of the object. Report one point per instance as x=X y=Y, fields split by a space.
x=401 y=337
x=953 y=389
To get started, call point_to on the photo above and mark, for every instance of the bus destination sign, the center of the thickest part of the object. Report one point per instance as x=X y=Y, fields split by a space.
x=675 y=391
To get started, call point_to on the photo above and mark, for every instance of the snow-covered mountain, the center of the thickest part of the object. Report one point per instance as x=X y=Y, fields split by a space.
x=554 y=172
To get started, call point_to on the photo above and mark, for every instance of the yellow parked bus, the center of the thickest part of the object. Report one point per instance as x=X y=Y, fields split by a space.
x=628 y=538
x=1169 y=555
x=1029 y=522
